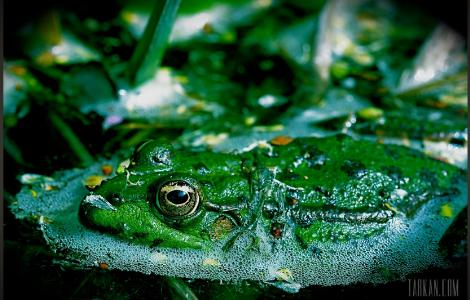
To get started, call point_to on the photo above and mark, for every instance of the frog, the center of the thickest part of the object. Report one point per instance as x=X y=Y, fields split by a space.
x=304 y=191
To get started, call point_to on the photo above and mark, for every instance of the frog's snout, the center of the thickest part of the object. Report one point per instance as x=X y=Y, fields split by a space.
x=97 y=201
x=91 y=204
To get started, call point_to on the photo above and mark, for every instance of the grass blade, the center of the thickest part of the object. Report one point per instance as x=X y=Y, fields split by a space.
x=148 y=54
x=179 y=289
x=72 y=139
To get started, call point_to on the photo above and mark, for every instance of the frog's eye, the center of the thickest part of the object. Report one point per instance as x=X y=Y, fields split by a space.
x=177 y=199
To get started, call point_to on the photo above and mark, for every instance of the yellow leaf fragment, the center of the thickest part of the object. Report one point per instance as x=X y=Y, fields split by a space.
x=158 y=258
x=210 y=262
x=447 y=211
x=370 y=113
x=281 y=140
x=283 y=274
x=107 y=169
x=93 y=181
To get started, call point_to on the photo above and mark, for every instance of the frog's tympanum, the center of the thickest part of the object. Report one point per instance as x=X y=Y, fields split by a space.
x=303 y=200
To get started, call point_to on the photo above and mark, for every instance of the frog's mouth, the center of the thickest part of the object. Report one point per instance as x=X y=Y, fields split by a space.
x=306 y=216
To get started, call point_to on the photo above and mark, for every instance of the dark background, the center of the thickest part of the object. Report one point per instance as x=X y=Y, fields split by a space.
x=17 y=12
x=19 y=278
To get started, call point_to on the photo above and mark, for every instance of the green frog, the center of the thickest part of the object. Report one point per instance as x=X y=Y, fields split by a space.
x=303 y=191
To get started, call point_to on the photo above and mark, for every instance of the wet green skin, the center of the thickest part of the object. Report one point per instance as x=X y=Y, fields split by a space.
x=330 y=189
x=418 y=123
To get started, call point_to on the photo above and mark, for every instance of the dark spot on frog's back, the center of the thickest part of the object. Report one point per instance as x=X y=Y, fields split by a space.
x=353 y=168
x=140 y=235
x=342 y=137
x=393 y=172
x=155 y=243
x=315 y=157
x=289 y=174
x=428 y=176
x=459 y=177
x=292 y=200
x=318 y=161
x=277 y=230
x=392 y=152
x=270 y=211
x=242 y=199
x=322 y=191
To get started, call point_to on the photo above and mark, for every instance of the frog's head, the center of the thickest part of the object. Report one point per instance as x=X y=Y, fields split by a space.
x=170 y=198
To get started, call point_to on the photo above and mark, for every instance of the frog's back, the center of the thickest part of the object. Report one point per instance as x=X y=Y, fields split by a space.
x=341 y=189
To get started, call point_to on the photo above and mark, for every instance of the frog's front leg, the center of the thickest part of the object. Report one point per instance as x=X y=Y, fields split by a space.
x=261 y=188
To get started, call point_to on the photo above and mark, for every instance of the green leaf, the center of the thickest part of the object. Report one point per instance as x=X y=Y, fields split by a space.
x=148 y=54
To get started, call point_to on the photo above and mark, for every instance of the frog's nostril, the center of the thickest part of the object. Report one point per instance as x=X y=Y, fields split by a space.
x=115 y=198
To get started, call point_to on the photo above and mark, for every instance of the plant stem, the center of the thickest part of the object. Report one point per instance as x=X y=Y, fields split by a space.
x=433 y=84
x=180 y=289
x=74 y=142
x=148 y=54
x=140 y=136
x=12 y=149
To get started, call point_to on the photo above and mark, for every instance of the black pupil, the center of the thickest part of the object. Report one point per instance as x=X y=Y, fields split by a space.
x=177 y=197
